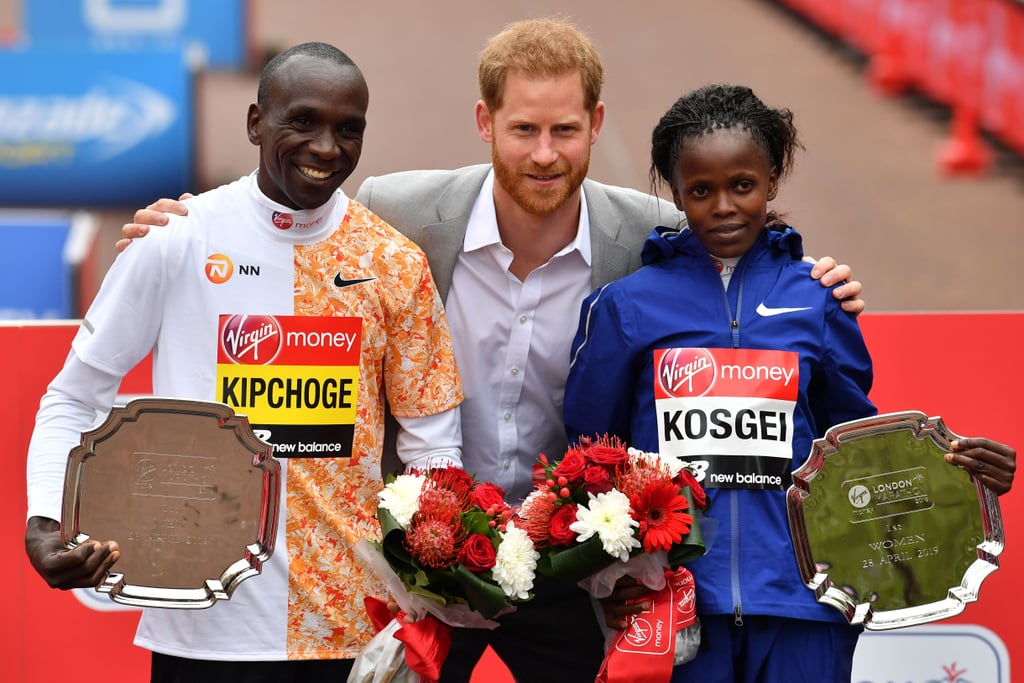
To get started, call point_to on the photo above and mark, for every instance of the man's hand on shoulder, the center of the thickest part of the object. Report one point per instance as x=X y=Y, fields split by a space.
x=829 y=273
x=154 y=214
x=84 y=567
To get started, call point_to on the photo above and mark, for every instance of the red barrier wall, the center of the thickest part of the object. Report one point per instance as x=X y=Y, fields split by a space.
x=965 y=54
x=963 y=367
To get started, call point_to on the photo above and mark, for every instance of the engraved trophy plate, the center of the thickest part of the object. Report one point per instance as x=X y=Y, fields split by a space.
x=186 y=489
x=885 y=530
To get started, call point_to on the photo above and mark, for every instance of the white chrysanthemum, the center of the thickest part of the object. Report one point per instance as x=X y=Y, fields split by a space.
x=669 y=462
x=608 y=517
x=515 y=563
x=401 y=497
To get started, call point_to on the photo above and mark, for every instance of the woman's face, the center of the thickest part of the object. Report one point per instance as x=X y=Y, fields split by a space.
x=723 y=181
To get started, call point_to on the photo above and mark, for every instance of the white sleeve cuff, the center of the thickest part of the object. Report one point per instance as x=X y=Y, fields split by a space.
x=432 y=441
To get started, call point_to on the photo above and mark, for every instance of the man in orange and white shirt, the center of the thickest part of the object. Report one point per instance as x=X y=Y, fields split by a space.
x=301 y=309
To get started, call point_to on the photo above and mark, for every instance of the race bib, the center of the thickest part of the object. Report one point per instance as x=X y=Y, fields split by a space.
x=296 y=378
x=729 y=412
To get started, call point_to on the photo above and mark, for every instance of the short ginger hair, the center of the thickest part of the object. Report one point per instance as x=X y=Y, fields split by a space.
x=540 y=47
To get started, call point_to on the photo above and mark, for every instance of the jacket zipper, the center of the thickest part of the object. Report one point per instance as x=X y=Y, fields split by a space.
x=734 y=501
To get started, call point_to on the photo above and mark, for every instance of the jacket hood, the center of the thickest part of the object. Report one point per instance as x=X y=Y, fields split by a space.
x=665 y=242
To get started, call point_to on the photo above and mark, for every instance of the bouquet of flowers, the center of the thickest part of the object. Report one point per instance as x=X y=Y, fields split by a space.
x=604 y=502
x=451 y=555
x=605 y=511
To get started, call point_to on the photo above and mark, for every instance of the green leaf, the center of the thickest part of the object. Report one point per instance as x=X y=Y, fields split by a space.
x=484 y=597
x=578 y=562
x=392 y=546
x=476 y=521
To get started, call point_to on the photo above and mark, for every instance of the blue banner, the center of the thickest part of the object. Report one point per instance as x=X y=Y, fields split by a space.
x=213 y=32
x=36 y=282
x=94 y=129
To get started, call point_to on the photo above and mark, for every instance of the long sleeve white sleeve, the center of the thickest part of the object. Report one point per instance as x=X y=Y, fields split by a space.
x=433 y=441
x=75 y=399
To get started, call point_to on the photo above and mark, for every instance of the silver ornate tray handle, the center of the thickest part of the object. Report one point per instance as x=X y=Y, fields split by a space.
x=885 y=530
x=186 y=489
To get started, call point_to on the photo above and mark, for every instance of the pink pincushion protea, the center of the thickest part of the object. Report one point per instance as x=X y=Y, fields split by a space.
x=435 y=533
x=534 y=517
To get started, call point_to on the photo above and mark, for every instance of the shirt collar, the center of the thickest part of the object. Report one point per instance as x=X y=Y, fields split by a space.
x=482 y=228
x=295 y=225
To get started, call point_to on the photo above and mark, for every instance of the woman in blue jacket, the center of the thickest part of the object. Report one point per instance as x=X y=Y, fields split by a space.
x=722 y=351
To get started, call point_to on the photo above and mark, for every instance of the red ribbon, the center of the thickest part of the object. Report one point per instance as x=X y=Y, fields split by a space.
x=644 y=651
x=427 y=641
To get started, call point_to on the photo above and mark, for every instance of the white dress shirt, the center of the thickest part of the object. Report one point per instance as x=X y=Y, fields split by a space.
x=512 y=342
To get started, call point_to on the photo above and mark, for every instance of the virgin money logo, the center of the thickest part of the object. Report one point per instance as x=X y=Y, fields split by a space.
x=639 y=632
x=686 y=605
x=219 y=268
x=252 y=339
x=282 y=221
x=684 y=372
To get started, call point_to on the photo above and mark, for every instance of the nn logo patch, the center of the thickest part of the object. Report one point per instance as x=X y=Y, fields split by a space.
x=219 y=268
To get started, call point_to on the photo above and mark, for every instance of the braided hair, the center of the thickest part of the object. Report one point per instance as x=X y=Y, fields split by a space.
x=716 y=107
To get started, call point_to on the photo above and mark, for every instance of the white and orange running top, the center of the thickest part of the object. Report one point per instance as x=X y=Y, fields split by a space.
x=299 y=320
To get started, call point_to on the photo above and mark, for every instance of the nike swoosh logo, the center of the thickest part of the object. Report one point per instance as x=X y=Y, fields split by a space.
x=340 y=282
x=766 y=312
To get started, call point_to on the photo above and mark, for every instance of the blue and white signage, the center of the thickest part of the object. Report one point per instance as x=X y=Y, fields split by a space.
x=936 y=653
x=94 y=129
x=211 y=31
x=40 y=252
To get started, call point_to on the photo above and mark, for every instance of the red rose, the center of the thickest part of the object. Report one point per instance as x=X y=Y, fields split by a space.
x=477 y=554
x=561 y=534
x=596 y=480
x=686 y=478
x=607 y=456
x=487 y=494
x=453 y=479
x=571 y=467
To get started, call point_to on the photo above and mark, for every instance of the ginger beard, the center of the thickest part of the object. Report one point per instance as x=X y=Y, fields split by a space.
x=536 y=200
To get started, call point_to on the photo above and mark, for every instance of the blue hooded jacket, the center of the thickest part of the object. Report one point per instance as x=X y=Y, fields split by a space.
x=676 y=300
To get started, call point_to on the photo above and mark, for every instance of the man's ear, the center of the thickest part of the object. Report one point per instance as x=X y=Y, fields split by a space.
x=484 y=122
x=596 y=122
x=252 y=124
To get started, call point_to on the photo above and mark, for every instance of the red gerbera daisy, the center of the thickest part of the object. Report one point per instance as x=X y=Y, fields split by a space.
x=659 y=509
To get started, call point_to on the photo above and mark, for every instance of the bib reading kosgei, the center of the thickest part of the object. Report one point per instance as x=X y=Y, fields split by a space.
x=729 y=412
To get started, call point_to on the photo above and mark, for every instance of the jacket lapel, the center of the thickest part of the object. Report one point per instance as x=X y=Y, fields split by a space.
x=442 y=241
x=609 y=259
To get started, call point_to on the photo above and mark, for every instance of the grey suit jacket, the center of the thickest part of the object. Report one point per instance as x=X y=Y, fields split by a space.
x=432 y=208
